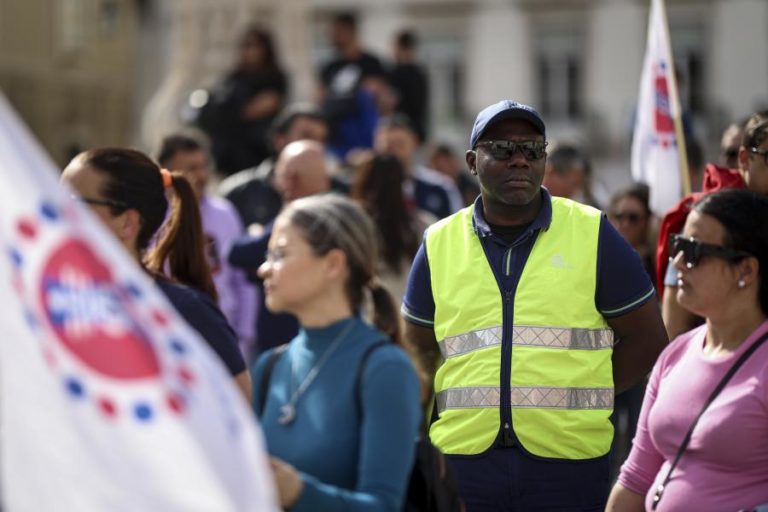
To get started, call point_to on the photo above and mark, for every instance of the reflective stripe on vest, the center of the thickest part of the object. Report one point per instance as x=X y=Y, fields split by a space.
x=553 y=337
x=534 y=397
x=560 y=371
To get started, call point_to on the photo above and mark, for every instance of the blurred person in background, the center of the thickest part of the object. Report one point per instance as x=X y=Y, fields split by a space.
x=695 y=155
x=300 y=171
x=721 y=259
x=189 y=155
x=752 y=173
x=410 y=83
x=630 y=214
x=729 y=145
x=252 y=190
x=378 y=187
x=444 y=160
x=127 y=191
x=340 y=405
x=241 y=108
x=568 y=173
x=426 y=188
x=350 y=84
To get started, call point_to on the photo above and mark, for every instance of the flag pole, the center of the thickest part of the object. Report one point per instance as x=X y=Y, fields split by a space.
x=674 y=97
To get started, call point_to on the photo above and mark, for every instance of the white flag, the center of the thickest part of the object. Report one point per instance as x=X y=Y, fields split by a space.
x=658 y=146
x=108 y=400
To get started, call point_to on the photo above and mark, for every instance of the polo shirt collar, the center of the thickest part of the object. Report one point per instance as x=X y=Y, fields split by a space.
x=542 y=221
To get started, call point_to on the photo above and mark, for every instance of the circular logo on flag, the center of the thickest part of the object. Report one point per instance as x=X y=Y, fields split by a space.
x=90 y=315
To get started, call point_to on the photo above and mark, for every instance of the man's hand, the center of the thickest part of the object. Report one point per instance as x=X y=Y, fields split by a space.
x=641 y=338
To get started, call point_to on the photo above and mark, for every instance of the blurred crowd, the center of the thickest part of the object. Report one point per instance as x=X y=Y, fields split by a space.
x=258 y=168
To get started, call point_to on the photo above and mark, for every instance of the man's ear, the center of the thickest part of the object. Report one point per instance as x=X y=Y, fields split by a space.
x=471 y=158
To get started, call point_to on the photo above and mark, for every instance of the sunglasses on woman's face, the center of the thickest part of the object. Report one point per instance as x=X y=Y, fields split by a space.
x=693 y=250
x=631 y=217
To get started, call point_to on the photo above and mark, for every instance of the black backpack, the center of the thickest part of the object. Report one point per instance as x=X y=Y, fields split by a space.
x=431 y=487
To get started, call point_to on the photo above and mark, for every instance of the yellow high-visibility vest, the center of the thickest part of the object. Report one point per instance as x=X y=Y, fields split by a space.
x=560 y=388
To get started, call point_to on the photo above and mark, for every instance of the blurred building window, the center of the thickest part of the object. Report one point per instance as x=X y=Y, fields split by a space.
x=442 y=54
x=689 y=42
x=109 y=18
x=559 y=76
x=71 y=29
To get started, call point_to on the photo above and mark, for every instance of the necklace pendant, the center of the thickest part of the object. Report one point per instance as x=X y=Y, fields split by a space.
x=287 y=414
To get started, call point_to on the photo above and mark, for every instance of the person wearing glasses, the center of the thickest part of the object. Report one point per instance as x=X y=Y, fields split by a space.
x=730 y=143
x=340 y=405
x=720 y=260
x=752 y=173
x=530 y=311
x=630 y=214
x=127 y=191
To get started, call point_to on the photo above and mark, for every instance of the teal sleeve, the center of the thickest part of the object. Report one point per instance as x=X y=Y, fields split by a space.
x=391 y=418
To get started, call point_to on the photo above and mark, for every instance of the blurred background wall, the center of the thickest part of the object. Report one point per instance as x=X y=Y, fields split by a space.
x=93 y=72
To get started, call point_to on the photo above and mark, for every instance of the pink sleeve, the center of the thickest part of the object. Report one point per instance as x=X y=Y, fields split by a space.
x=641 y=467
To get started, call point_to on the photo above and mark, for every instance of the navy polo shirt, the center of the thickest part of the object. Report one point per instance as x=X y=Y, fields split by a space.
x=204 y=316
x=622 y=283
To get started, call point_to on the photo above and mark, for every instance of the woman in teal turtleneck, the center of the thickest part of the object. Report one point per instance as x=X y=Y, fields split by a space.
x=328 y=454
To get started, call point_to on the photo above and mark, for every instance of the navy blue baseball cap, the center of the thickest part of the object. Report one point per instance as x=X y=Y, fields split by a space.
x=505 y=109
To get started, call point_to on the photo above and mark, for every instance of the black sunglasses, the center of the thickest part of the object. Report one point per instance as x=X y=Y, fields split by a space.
x=506 y=149
x=118 y=205
x=693 y=250
x=631 y=217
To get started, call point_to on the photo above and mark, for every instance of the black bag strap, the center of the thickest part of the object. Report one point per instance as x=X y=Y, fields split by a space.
x=684 y=445
x=267 y=375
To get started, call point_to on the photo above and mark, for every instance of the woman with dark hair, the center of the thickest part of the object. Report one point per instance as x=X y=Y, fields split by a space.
x=340 y=406
x=378 y=187
x=128 y=192
x=242 y=107
x=702 y=441
x=630 y=214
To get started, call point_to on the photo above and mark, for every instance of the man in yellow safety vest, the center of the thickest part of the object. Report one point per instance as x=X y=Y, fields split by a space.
x=530 y=311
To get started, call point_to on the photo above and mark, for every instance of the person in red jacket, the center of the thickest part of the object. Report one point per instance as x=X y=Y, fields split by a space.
x=752 y=174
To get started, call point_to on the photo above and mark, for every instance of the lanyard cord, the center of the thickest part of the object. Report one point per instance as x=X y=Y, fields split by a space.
x=288 y=411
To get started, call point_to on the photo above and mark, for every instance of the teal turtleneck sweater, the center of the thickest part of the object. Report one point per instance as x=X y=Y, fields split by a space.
x=348 y=461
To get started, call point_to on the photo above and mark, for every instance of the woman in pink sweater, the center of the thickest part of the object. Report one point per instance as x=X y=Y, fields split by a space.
x=722 y=264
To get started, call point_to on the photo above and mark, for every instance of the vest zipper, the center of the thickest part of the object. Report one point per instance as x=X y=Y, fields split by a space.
x=508 y=437
x=507 y=434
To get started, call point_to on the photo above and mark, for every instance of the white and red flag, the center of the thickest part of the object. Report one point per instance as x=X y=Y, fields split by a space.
x=658 y=144
x=108 y=400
